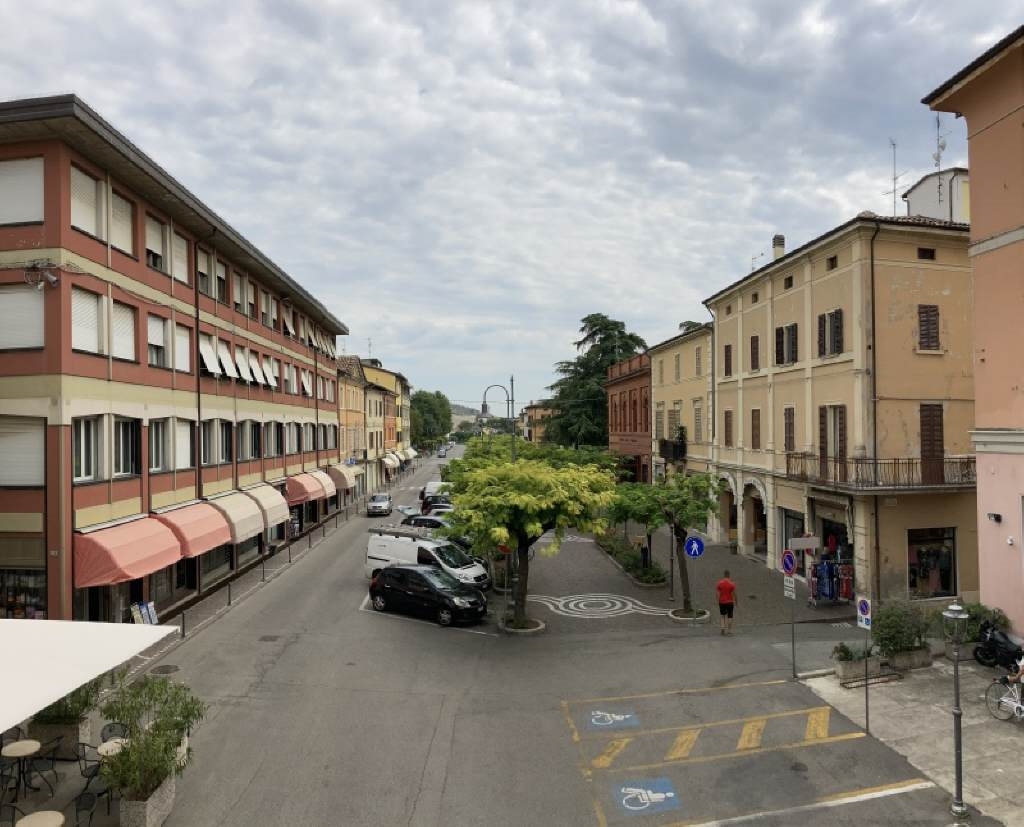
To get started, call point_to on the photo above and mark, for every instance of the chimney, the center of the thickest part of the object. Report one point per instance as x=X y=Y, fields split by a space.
x=778 y=246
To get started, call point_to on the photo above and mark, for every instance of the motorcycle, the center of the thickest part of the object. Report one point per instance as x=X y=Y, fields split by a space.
x=995 y=648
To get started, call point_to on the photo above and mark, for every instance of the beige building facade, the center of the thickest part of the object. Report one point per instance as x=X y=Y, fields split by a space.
x=843 y=402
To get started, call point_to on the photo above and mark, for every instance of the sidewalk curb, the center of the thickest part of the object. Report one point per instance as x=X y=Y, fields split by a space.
x=536 y=630
x=703 y=616
x=814 y=673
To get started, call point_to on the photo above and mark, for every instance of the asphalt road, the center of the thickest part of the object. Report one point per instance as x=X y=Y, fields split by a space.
x=325 y=713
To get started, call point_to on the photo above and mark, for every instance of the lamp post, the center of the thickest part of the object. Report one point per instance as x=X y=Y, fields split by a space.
x=510 y=402
x=954 y=624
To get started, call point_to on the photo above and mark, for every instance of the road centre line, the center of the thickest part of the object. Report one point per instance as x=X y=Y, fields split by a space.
x=669 y=692
x=707 y=759
x=837 y=800
x=809 y=711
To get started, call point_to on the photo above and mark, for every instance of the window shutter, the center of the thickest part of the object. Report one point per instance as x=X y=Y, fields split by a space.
x=224 y=353
x=182 y=351
x=23 y=317
x=269 y=371
x=789 y=435
x=208 y=354
x=837 y=330
x=85 y=320
x=696 y=362
x=154 y=235
x=22 y=445
x=841 y=431
x=755 y=429
x=794 y=350
x=823 y=433
x=121 y=224
x=728 y=428
x=780 y=346
x=123 y=330
x=242 y=360
x=822 y=350
x=179 y=259
x=728 y=360
x=236 y=287
x=755 y=353
x=182 y=444
x=21 y=191
x=928 y=324
x=156 y=331
x=85 y=206
x=254 y=367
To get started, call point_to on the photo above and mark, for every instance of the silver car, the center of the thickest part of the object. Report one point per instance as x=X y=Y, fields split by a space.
x=379 y=505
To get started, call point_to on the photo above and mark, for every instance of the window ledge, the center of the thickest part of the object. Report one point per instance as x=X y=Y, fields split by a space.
x=929 y=351
x=132 y=256
x=26 y=349
x=88 y=352
x=21 y=224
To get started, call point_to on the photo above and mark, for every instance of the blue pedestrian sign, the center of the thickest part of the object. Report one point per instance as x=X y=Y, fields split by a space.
x=788 y=562
x=646 y=796
x=694 y=547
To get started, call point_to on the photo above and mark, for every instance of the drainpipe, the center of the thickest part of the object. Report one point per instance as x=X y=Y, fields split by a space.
x=874 y=421
x=316 y=411
x=197 y=361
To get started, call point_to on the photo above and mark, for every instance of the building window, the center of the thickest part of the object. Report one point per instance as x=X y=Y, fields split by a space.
x=832 y=262
x=308 y=437
x=832 y=435
x=265 y=308
x=294 y=435
x=250 y=298
x=698 y=425
x=678 y=370
x=271 y=445
x=23 y=317
x=755 y=353
x=184 y=444
x=207 y=448
x=787 y=282
x=786 y=348
x=931 y=562
x=123 y=332
x=659 y=421
x=227 y=431
x=85 y=447
x=661 y=371
x=179 y=259
x=122 y=221
x=926 y=253
x=158 y=445
x=88 y=204
x=755 y=429
x=21 y=182
x=673 y=421
x=85 y=320
x=156 y=334
x=697 y=366
x=156 y=244
x=830 y=333
x=127 y=447
x=222 y=282
x=255 y=441
x=753 y=298
x=203 y=271
x=182 y=349
x=928 y=327
x=727 y=428
x=321 y=437
x=728 y=310
x=789 y=429
x=273 y=313
x=727 y=361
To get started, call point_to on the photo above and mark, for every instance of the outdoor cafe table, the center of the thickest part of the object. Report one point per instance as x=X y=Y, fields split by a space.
x=21 y=750
x=42 y=818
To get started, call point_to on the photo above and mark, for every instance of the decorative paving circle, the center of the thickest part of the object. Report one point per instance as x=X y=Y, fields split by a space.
x=596 y=606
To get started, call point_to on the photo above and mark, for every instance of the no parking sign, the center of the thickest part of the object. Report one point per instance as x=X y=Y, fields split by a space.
x=864 y=613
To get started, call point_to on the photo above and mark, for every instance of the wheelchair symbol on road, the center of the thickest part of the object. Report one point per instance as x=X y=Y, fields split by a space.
x=647 y=795
x=612 y=720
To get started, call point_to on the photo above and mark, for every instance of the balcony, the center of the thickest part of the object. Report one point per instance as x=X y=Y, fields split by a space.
x=864 y=473
x=671 y=450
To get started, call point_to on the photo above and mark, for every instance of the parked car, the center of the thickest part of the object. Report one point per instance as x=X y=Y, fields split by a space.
x=426 y=591
x=405 y=545
x=431 y=501
x=440 y=509
x=379 y=505
x=425 y=521
x=442 y=453
x=407 y=510
x=432 y=487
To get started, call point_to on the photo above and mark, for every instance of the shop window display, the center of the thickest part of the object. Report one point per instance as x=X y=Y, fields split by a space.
x=23 y=593
x=931 y=562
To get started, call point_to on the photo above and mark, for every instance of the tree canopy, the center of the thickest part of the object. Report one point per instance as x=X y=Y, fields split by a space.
x=580 y=408
x=430 y=416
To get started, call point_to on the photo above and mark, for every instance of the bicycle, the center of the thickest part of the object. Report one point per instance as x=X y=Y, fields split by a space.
x=1004 y=700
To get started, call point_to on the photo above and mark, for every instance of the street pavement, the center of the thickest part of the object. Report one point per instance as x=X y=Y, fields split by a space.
x=323 y=712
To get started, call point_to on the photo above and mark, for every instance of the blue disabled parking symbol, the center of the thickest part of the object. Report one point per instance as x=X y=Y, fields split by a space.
x=694 y=547
x=646 y=796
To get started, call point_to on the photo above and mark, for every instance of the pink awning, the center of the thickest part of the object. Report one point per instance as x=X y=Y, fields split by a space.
x=302 y=488
x=124 y=552
x=198 y=528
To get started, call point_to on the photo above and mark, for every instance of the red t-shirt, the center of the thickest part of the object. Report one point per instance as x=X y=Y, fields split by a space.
x=726 y=590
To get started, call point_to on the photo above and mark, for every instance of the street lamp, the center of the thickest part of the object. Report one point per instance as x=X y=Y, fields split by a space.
x=954 y=624
x=510 y=402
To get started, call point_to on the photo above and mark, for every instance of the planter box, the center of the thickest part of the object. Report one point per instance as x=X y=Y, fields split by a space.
x=72 y=734
x=847 y=670
x=152 y=812
x=918 y=659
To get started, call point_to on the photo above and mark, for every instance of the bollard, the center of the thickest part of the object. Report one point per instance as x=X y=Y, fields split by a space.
x=263 y=573
x=289 y=552
x=183 y=623
x=229 y=592
x=309 y=539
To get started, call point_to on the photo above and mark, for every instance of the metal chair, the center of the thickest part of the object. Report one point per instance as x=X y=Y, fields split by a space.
x=15 y=733
x=7 y=777
x=45 y=761
x=87 y=764
x=85 y=805
x=113 y=730
x=9 y=813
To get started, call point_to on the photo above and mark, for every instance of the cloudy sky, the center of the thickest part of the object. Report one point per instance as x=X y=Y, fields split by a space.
x=461 y=182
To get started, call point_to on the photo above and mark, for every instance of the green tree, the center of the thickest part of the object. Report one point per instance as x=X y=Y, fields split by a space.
x=641 y=503
x=430 y=415
x=500 y=502
x=687 y=501
x=580 y=408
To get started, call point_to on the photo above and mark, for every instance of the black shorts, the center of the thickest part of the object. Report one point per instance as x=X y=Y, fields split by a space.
x=725 y=609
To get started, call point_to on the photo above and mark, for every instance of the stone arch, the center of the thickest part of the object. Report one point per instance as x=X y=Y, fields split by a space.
x=730 y=480
x=759 y=487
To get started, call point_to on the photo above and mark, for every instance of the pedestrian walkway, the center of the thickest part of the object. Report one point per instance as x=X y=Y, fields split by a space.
x=913 y=716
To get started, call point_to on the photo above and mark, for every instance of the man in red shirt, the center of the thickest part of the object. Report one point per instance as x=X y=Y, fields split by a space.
x=726 y=602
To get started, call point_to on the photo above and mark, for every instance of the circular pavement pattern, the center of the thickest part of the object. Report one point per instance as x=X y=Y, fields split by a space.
x=596 y=606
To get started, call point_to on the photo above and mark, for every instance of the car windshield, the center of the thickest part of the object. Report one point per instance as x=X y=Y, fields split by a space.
x=453 y=557
x=441 y=579
x=379 y=498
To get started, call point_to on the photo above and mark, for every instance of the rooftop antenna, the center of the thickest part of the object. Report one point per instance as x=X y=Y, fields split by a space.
x=895 y=177
x=753 y=260
x=940 y=146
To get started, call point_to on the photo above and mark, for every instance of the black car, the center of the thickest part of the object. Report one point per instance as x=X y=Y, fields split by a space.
x=423 y=521
x=426 y=591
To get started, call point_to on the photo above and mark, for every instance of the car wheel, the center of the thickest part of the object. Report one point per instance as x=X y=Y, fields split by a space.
x=444 y=616
x=379 y=603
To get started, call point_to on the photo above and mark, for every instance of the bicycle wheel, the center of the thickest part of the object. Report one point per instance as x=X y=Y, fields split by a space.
x=1000 y=701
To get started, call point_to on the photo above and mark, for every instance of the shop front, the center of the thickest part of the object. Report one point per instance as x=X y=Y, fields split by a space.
x=245 y=521
x=344 y=481
x=203 y=533
x=22 y=577
x=794 y=525
x=274 y=509
x=329 y=504
x=303 y=493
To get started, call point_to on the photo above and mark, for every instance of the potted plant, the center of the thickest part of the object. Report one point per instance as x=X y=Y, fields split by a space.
x=977 y=613
x=899 y=629
x=68 y=718
x=850 y=661
x=158 y=714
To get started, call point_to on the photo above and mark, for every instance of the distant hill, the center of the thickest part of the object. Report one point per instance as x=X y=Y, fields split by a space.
x=462 y=410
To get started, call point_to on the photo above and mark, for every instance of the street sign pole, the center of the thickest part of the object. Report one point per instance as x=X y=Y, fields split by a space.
x=671 y=565
x=789 y=591
x=864 y=621
x=792 y=633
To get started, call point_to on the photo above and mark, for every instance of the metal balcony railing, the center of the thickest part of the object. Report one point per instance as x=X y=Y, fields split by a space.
x=862 y=473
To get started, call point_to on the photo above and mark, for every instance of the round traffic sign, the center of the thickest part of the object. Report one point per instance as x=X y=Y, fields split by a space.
x=694 y=547
x=788 y=562
x=863 y=607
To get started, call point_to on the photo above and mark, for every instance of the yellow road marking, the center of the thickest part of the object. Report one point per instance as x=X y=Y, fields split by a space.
x=683 y=744
x=750 y=738
x=725 y=722
x=705 y=759
x=677 y=692
x=569 y=721
x=599 y=812
x=817 y=724
x=611 y=752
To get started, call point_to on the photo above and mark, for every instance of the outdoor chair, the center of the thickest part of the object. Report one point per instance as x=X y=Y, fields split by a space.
x=7 y=778
x=88 y=764
x=45 y=761
x=113 y=730
x=9 y=814
x=85 y=804
x=15 y=733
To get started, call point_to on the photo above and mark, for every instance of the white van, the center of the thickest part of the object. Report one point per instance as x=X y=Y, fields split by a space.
x=405 y=545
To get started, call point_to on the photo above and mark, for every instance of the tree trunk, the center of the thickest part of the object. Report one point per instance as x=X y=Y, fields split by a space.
x=649 y=554
x=684 y=576
x=522 y=581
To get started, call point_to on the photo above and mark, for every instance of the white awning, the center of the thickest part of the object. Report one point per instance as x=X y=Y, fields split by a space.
x=325 y=480
x=55 y=657
x=209 y=357
x=271 y=503
x=224 y=352
x=244 y=517
x=390 y=460
x=411 y=453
